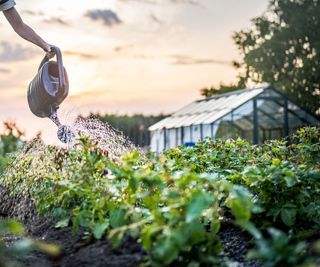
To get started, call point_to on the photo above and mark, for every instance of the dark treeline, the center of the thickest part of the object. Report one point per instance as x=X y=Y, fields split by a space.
x=135 y=127
x=221 y=89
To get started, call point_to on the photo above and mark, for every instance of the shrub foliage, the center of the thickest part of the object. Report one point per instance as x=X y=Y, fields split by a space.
x=173 y=204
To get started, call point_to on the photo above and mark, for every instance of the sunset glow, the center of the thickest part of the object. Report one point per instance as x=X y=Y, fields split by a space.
x=123 y=56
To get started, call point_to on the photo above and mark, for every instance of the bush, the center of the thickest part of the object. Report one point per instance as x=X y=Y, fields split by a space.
x=10 y=141
x=173 y=204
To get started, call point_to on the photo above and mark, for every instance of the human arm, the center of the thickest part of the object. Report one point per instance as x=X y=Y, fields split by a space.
x=25 y=31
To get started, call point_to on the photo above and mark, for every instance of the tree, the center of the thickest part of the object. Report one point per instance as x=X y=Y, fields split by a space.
x=11 y=138
x=135 y=127
x=10 y=141
x=283 y=47
x=221 y=89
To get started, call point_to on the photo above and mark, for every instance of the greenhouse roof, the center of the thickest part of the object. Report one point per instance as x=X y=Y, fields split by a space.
x=208 y=110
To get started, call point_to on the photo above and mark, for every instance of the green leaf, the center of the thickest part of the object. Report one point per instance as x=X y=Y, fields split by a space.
x=133 y=184
x=276 y=162
x=316 y=246
x=251 y=228
x=147 y=235
x=166 y=250
x=62 y=223
x=116 y=237
x=288 y=214
x=11 y=226
x=194 y=231
x=48 y=248
x=240 y=201
x=99 y=229
x=85 y=218
x=197 y=204
x=117 y=217
x=291 y=181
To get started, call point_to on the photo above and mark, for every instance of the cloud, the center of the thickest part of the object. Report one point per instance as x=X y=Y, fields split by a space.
x=155 y=19
x=32 y=13
x=10 y=53
x=107 y=16
x=56 y=20
x=118 y=49
x=122 y=48
x=188 y=60
x=4 y=70
x=145 y=57
x=156 y=2
x=188 y=2
x=153 y=2
x=79 y=54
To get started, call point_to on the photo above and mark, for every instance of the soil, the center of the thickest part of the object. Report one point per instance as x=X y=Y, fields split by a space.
x=77 y=252
x=236 y=244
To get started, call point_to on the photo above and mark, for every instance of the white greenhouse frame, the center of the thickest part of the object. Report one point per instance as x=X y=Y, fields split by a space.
x=255 y=114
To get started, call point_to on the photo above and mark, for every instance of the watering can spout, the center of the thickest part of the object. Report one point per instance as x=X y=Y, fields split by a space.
x=65 y=133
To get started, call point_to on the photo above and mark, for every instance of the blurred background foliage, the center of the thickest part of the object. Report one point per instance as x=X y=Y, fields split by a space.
x=10 y=141
x=281 y=47
x=135 y=127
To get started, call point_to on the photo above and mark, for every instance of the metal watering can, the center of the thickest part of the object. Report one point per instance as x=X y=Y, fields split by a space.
x=49 y=87
x=47 y=90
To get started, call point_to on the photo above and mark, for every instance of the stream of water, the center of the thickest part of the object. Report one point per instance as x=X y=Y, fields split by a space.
x=65 y=133
x=105 y=137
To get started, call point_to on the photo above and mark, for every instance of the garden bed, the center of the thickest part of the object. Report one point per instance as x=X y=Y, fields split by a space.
x=75 y=251
x=214 y=204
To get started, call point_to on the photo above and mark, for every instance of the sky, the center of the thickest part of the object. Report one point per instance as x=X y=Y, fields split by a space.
x=122 y=56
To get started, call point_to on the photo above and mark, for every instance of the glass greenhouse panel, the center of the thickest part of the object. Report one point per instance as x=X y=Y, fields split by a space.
x=213 y=116
x=243 y=110
x=178 y=136
x=270 y=93
x=244 y=124
x=206 y=131
x=227 y=130
x=196 y=133
x=187 y=134
x=185 y=109
x=218 y=104
x=172 y=138
x=202 y=106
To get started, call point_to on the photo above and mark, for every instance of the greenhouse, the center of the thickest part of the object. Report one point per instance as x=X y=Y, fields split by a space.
x=256 y=114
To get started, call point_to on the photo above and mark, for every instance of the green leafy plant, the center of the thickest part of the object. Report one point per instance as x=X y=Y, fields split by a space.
x=10 y=141
x=283 y=178
x=281 y=249
x=173 y=205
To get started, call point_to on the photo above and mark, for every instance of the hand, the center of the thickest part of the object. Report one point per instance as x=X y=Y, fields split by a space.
x=49 y=51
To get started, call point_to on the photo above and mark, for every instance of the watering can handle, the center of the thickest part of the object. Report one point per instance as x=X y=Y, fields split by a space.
x=62 y=80
x=44 y=60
